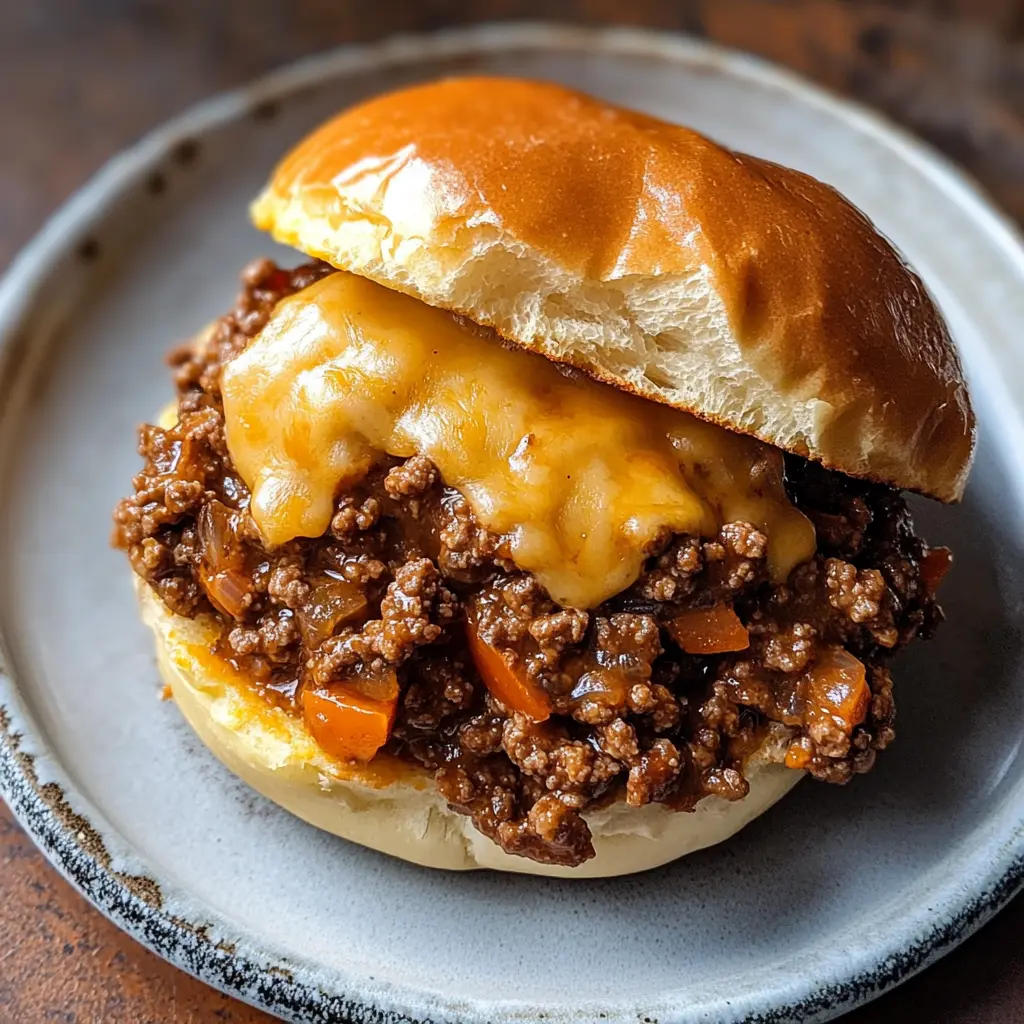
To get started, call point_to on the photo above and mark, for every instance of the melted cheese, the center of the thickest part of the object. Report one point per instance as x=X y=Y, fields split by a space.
x=580 y=476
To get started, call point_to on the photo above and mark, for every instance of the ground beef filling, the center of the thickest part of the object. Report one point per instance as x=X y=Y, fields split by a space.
x=405 y=564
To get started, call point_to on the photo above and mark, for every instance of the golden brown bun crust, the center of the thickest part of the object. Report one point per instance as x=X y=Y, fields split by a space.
x=742 y=291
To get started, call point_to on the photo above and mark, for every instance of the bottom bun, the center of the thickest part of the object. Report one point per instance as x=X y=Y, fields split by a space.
x=393 y=807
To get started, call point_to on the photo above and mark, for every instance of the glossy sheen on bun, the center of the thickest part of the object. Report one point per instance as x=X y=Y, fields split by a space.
x=393 y=807
x=728 y=286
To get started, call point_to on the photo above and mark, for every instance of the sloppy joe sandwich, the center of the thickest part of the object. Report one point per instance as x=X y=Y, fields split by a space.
x=550 y=518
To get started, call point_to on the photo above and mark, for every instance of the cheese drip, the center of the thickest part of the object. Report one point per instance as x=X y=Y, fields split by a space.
x=580 y=476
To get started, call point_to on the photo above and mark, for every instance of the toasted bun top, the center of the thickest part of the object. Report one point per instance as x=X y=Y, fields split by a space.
x=747 y=293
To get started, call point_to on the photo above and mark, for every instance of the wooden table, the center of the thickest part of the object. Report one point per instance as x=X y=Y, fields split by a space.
x=76 y=85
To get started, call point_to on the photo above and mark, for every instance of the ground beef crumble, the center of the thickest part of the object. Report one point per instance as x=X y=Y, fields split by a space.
x=405 y=563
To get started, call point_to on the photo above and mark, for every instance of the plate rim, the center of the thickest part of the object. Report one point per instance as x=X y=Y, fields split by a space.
x=136 y=903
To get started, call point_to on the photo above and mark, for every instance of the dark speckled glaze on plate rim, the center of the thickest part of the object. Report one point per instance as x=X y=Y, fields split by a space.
x=135 y=904
x=74 y=842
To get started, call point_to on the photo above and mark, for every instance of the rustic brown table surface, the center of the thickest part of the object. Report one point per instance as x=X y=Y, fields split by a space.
x=79 y=81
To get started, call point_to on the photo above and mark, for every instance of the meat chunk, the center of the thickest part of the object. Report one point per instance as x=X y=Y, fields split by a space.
x=551 y=834
x=411 y=479
x=413 y=612
x=566 y=766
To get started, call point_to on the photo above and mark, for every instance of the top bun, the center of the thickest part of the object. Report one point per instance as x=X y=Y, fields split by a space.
x=744 y=292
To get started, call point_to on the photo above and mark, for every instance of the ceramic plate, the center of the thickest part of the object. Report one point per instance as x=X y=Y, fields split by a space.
x=825 y=901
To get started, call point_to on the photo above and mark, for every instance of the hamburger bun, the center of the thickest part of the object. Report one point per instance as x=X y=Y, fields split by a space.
x=394 y=807
x=720 y=284
x=744 y=292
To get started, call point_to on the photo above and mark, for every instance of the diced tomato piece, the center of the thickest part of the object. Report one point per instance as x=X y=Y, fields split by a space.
x=837 y=687
x=797 y=757
x=510 y=687
x=934 y=566
x=709 y=630
x=348 y=724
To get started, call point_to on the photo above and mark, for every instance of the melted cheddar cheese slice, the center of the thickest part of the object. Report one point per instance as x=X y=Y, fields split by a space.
x=580 y=476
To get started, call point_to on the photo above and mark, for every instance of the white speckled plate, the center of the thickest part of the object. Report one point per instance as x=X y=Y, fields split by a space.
x=822 y=903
